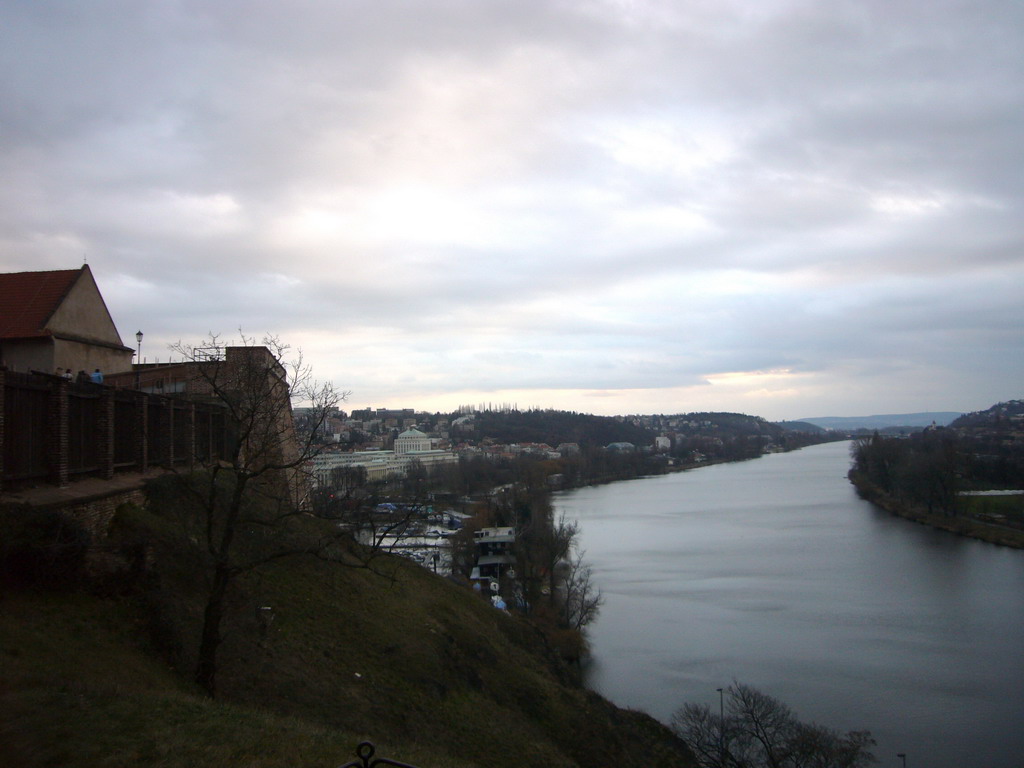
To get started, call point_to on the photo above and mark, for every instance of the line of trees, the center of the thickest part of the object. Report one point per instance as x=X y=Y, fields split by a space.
x=925 y=469
x=553 y=584
x=478 y=474
x=546 y=425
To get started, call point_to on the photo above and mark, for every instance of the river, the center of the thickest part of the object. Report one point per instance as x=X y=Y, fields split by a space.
x=773 y=573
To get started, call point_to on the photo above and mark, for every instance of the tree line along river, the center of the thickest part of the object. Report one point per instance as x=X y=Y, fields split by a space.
x=773 y=572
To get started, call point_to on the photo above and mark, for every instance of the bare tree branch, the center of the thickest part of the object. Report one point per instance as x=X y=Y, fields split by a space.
x=251 y=498
x=760 y=731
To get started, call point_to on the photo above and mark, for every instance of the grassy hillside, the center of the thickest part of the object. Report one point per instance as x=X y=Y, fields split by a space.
x=100 y=675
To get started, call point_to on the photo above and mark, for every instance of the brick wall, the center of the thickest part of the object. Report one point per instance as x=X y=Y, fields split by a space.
x=96 y=514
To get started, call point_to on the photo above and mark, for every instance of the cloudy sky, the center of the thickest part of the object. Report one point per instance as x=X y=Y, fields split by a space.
x=781 y=207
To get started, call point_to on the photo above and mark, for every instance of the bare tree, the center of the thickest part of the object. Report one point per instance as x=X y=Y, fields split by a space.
x=702 y=732
x=764 y=725
x=556 y=547
x=815 y=746
x=379 y=515
x=251 y=499
x=542 y=548
x=346 y=482
x=759 y=731
x=581 y=600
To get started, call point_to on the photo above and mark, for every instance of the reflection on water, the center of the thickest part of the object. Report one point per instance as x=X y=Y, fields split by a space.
x=772 y=572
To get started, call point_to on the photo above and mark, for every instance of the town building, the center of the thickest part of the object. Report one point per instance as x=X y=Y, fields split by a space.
x=495 y=556
x=411 y=441
x=58 y=319
x=412 y=448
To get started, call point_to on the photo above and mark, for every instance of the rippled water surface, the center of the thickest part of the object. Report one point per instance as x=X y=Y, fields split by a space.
x=772 y=572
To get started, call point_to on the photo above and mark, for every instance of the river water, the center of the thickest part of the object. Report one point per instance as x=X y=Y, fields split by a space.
x=773 y=573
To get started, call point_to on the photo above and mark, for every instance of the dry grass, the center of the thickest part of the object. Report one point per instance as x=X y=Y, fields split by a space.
x=421 y=666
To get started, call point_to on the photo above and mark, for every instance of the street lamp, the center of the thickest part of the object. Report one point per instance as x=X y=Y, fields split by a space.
x=138 y=356
x=902 y=756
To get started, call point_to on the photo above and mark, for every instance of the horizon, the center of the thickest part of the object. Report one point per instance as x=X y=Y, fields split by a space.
x=596 y=206
x=515 y=407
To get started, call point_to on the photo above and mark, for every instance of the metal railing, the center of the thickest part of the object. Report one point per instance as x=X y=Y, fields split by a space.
x=53 y=430
x=365 y=758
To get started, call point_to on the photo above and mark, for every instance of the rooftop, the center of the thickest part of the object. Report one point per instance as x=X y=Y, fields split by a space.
x=28 y=300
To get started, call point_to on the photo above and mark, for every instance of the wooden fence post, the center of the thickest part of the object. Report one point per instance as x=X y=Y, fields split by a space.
x=105 y=433
x=3 y=410
x=142 y=432
x=191 y=415
x=168 y=419
x=57 y=441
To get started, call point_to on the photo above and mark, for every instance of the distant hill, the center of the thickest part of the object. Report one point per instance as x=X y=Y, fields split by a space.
x=881 y=421
x=800 y=426
x=1000 y=416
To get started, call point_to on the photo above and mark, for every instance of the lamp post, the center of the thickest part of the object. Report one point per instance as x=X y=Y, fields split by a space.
x=138 y=356
x=721 y=727
x=902 y=756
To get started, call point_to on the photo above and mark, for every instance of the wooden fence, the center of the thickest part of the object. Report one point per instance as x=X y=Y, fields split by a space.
x=53 y=430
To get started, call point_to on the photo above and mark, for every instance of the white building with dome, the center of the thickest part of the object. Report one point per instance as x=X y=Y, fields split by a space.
x=411 y=440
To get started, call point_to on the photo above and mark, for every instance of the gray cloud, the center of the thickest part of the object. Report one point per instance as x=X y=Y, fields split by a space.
x=785 y=208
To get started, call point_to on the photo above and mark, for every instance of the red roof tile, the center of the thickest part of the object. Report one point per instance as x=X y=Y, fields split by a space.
x=28 y=299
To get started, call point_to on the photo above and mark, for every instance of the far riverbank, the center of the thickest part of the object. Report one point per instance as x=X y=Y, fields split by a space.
x=677 y=465
x=969 y=527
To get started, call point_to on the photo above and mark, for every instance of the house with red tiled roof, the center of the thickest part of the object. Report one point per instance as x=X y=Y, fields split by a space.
x=58 y=319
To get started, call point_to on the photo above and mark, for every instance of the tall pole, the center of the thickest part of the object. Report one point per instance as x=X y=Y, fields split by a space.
x=721 y=727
